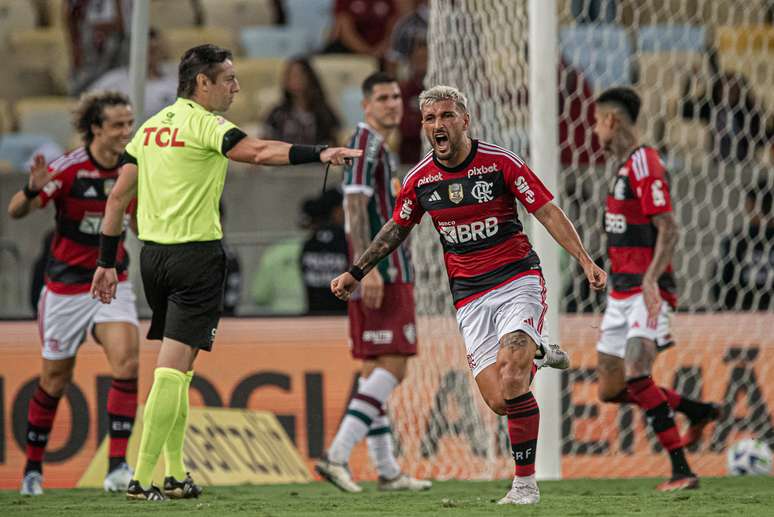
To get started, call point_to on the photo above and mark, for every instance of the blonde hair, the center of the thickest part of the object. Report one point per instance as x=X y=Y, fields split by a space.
x=443 y=93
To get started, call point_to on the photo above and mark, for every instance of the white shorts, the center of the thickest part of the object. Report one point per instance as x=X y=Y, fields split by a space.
x=518 y=305
x=628 y=318
x=65 y=319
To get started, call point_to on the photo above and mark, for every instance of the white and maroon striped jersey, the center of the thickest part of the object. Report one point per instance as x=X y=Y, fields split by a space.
x=79 y=190
x=474 y=211
x=373 y=174
x=639 y=191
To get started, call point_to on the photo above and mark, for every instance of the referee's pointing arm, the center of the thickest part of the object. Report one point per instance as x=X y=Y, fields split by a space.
x=184 y=149
x=273 y=152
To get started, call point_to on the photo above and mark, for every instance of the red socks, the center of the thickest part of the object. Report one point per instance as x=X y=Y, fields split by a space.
x=121 y=408
x=523 y=423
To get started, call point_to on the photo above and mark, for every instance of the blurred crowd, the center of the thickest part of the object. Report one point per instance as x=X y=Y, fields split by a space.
x=393 y=33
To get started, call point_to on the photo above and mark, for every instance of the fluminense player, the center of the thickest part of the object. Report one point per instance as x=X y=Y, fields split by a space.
x=470 y=188
x=382 y=329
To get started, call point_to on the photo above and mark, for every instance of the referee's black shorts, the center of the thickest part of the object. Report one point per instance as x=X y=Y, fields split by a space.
x=184 y=286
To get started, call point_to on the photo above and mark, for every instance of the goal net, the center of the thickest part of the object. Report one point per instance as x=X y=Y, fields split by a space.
x=704 y=70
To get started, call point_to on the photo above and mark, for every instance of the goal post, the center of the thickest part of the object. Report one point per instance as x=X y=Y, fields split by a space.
x=544 y=160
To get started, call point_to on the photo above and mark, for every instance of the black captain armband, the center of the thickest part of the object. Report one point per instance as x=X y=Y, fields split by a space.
x=108 y=249
x=29 y=193
x=356 y=273
x=305 y=153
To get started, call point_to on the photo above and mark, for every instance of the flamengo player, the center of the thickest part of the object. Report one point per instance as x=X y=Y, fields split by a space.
x=78 y=183
x=470 y=188
x=641 y=237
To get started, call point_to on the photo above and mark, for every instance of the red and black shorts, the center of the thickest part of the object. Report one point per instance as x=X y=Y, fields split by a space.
x=389 y=330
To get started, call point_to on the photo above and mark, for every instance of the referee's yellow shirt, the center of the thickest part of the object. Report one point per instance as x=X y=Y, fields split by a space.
x=181 y=172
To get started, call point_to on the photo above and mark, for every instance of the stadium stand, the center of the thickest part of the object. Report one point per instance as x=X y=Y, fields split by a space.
x=50 y=116
x=272 y=42
x=235 y=14
x=601 y=52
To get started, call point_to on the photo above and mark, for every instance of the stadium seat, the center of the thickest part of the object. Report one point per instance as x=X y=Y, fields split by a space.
x=688 y=139
x=744 y=39
x=6 y=117
x=661 y=79
x=244 y=109
x=50 y=116
x=350 y=106
x=180 y=40
x=17 y=149
x=339 y=71
x=314 y=17
x=601 y=51
x=235 y=14
x=663 y=38
x=257 y=74
x=171 y=14
x=15 y=15
x=276 y=42
x=41 y=55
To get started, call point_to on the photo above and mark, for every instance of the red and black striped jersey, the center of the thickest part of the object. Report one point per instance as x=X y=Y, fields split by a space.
x=639 y=191
x=79 y=189
x=473 y=208
x=373 y=174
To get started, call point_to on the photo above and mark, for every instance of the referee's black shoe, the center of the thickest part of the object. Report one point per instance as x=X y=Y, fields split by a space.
x=185 y=489
x=135 y=491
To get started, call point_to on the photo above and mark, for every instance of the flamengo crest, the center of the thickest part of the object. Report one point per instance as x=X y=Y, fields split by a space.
x=455 y=192
x=482 y=191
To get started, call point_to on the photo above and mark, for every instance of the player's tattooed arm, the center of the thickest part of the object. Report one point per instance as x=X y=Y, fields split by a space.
x=666 y=242
x=356 y=210
x=388 y=238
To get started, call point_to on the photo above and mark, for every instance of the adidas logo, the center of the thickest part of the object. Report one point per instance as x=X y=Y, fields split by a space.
x=90 y=192
x=434 y=197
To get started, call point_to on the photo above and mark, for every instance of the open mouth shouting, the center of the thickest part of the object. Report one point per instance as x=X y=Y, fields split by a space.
x=441 y=142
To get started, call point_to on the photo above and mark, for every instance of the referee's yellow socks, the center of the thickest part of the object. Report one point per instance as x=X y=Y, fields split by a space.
x=173 y=447
x=161 y=411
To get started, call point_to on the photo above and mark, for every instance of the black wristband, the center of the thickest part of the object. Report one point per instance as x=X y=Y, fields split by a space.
x=29 y=193
x=356 y=272
x=305 y=153
x=108 y=249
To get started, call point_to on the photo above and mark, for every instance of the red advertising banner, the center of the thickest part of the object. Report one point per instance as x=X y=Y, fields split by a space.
x=300 y=369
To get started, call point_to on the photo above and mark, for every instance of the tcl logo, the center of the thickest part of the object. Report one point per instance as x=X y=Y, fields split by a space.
x=615 y=223
x=165 y=137
x=477 y=230
x=523 y=187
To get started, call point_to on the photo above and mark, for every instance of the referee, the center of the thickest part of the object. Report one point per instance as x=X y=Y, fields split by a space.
x=176 y=167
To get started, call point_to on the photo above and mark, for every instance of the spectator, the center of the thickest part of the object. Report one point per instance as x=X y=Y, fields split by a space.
x=410 y=126
x=324 y=254
x=578 y=144
x=160 y=84
x=99 y=38
x=363 y=27
x=304 y=115
x=744 y=279
x=737 y=124
x=409 y=32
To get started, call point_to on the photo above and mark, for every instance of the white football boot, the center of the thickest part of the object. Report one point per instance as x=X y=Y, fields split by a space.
x=524 y=490
x=403 y=482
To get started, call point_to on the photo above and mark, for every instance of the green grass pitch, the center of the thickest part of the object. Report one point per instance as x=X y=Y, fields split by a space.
x=735 y=497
